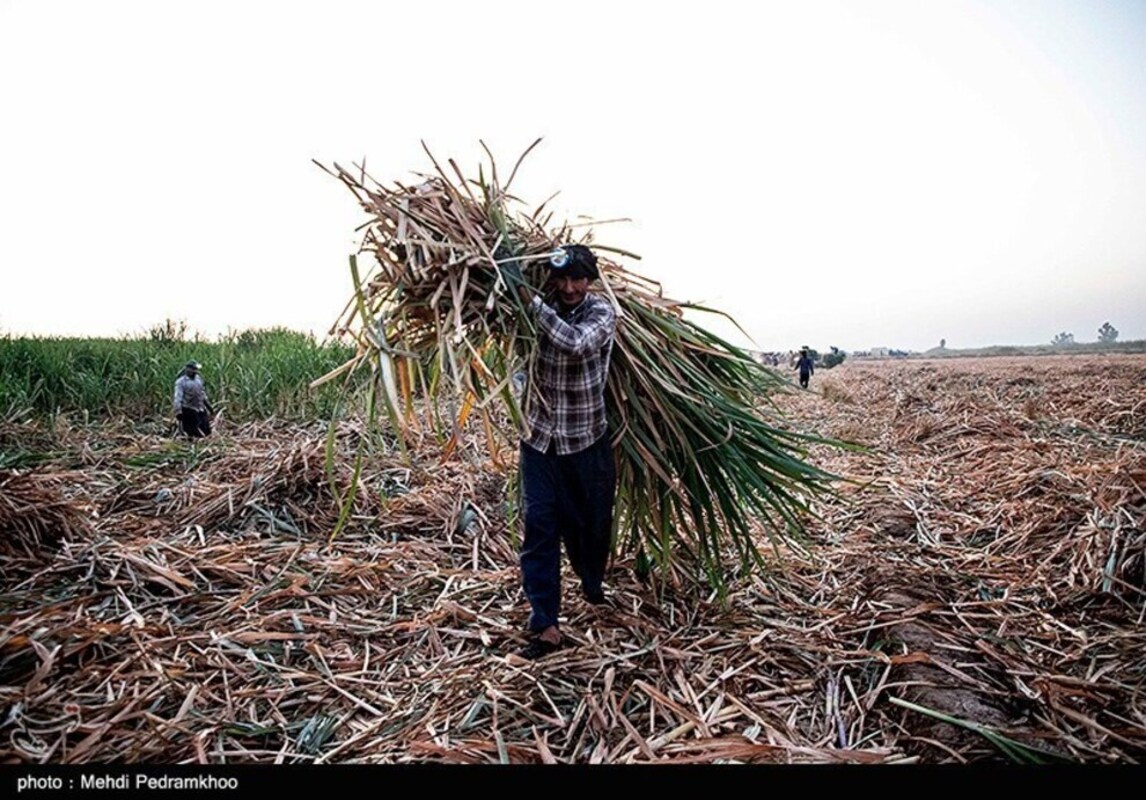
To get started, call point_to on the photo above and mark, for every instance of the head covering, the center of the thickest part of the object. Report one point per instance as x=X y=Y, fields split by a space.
x=191 y=366
x=574 y=261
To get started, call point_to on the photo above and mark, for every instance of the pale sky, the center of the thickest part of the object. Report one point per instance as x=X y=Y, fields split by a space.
x=854 y=174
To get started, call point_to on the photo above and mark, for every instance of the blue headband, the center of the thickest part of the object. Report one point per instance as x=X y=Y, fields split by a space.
x=559 y=258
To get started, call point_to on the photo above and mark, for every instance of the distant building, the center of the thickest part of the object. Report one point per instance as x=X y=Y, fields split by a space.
x=880 y=352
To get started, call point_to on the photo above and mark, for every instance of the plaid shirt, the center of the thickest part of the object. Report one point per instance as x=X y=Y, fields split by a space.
x=568 y=407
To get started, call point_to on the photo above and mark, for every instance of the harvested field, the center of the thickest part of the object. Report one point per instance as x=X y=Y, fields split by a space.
x=976 y=594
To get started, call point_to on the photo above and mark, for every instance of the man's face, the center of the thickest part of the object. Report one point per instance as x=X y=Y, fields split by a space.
x=570 y=291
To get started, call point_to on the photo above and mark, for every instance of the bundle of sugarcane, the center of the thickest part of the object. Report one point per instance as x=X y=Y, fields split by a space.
x=698 y=459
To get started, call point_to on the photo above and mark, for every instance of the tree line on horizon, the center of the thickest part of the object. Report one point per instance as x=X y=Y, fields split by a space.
x=1107 y=334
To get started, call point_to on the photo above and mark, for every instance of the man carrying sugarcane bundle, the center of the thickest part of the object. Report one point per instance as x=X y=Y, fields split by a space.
x=192 y=408
x=567 y=470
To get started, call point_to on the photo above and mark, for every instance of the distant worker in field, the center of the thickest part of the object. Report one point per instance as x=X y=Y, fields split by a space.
x=192 y=408
x=806 y=367
x=567 y=469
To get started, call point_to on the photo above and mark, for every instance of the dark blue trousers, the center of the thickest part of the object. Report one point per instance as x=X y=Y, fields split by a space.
x=195 y=423
x=567 y=499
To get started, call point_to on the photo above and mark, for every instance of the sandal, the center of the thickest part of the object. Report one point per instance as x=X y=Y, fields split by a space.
x=539 y=648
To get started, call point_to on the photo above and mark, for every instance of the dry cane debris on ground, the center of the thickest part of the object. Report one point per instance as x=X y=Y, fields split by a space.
x=977 y=594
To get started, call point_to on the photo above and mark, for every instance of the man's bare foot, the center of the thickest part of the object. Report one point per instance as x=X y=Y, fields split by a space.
x=544 y=643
